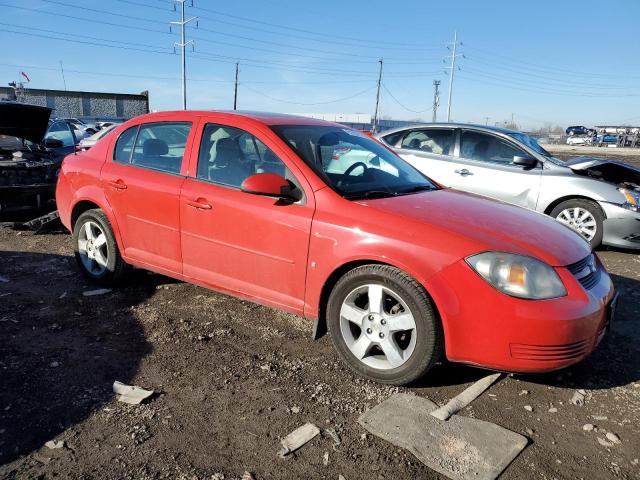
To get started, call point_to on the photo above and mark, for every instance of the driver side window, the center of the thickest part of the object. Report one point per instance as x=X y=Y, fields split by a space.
x=230 y=155
x=345 y=157
x=488 y=148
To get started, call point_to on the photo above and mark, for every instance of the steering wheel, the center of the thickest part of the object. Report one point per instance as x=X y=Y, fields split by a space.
x=350 y=169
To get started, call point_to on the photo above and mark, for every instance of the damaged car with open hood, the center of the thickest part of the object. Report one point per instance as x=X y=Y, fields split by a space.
x=598 y=198
x=31 y=152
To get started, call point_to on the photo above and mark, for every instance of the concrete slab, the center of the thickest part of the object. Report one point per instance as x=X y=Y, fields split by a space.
x=461 y=448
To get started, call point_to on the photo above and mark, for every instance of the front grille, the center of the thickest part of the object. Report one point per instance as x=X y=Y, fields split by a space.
x=585 y=271
x=550 y=353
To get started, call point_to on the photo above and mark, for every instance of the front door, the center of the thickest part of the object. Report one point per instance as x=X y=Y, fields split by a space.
x=142 y=182
x=231 y=240
x=486 y=167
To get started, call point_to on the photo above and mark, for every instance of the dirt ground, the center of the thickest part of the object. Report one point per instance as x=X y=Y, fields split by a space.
x=233 y=378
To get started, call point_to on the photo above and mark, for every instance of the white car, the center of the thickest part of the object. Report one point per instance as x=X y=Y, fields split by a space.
x=578 y=140
x=88 y=142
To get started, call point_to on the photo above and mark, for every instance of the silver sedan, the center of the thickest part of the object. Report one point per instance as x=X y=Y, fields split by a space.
x=598 y=198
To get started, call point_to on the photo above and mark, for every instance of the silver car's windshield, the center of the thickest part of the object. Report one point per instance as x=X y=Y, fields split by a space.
x=530 y=142
x=351 y=163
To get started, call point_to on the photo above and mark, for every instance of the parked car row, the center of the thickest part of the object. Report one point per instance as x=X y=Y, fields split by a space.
x=363 y=235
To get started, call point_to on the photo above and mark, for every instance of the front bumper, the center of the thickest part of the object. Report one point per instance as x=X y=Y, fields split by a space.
x=621 y=226
x=485 y=327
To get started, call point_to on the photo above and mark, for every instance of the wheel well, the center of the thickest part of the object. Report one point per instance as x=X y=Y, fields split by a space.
x=558 y=201
x=79 y=208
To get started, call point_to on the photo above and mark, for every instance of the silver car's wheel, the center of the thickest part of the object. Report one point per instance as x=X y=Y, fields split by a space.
x=93 y=248
x=378 y=327
x=581 y=220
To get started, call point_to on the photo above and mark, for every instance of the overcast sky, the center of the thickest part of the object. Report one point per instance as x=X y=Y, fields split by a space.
x=543 y=61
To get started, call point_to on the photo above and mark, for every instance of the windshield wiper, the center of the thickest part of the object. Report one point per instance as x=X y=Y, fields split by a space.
x=371 y=194
x=416 y=189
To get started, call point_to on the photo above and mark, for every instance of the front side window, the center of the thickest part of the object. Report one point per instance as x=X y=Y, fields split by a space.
x=488 y=148
x=61 y=131
x=229 y=155
x=160 y=146
x=435 y=141
x=351 y=163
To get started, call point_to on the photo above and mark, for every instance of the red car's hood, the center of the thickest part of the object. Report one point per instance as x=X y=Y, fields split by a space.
x=492 y=225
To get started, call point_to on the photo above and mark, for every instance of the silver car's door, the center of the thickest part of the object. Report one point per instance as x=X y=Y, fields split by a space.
x=486 y=167
x=430 y=150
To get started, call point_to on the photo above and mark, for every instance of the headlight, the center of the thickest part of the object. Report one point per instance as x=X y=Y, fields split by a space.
x=632 y=199
x=517 y=275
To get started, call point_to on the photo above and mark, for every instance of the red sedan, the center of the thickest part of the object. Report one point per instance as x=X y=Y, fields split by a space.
x=320 y=220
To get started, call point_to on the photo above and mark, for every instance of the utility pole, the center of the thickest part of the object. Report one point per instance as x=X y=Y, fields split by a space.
x=182 y=44
x=436 y=99
x=374 y=127
x=235 y=89
x=452 y=69
x=64 y=81
x=486 y=120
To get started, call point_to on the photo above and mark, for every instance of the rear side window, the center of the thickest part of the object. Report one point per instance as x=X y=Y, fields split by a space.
x=160 y=146
x=435 y=141
x=124 y=145
x=488 y=148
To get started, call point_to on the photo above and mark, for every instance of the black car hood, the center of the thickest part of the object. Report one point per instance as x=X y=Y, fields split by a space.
x=608 y=170
x=24 y=121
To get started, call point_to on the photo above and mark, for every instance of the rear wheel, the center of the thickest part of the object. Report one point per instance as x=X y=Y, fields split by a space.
x=582 y=215
x=96 y=250
x=383 y=324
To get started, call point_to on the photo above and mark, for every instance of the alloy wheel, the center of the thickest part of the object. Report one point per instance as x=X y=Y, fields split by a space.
x=579 y=219
x=378 y=327
x=92 y=247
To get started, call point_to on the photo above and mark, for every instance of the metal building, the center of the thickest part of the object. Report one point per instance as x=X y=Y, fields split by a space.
x=93 y=105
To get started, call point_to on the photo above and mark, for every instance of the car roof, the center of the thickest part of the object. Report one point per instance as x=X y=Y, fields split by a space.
x=265 y=118
x=474 y=126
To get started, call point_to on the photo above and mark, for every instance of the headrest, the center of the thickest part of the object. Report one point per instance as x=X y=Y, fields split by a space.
x=154 y=146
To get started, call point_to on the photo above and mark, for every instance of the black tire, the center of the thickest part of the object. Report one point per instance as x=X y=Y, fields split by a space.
x=116 y=267
x=429 y=337
x=592 y=207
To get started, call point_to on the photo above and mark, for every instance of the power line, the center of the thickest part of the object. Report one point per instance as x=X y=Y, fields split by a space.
x=374 y=127
x=452 y=70
x=309 y=104
x=384 y=86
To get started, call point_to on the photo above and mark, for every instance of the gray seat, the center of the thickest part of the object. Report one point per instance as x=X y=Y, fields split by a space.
x=226 y=165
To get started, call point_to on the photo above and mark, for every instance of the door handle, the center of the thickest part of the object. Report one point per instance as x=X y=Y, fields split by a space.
x=464 y=172
x=200 y=204
x=118 y=185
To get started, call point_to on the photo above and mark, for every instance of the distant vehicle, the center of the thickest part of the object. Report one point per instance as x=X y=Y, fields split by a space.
x=606 y=138
x=86 y=128
x=598 y=198
x=107 y=123
x=579 y=140
x=579 y=130
x=89 y=142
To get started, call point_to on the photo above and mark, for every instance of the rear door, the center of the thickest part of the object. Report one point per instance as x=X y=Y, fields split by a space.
x=430 y=150
x=142 y=182
x=486 y=167
x=247 y=244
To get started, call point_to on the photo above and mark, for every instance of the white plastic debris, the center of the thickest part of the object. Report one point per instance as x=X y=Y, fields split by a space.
x=578 y=398
x=298 y=438
x=99 y=291
x=130 y=394
x=55 y=444
x=465 y=398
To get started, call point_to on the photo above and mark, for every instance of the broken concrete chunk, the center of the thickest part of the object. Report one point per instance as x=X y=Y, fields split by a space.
x=248 y=476
x=462 y=448
x=130 y=394
x=528 y=408
x=334 y=436
x=298 y=438
x=465 y=398
x=99 y=291
x=612 y=437
x=55 y=444
x=578 y=398
x=588 y=427
x=325 y=459
x=604 y=443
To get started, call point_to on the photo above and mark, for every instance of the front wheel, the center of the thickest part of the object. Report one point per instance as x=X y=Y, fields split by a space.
x=584 y=216
x=96 y=250
x=383 y=324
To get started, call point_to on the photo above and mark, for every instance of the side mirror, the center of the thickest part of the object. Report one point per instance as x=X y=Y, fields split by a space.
x=53 y=143
x=269 y=185
x=526 y=162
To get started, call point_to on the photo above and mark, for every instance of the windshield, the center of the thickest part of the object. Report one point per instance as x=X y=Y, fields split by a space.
x=351 y=163
x=530 y=142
